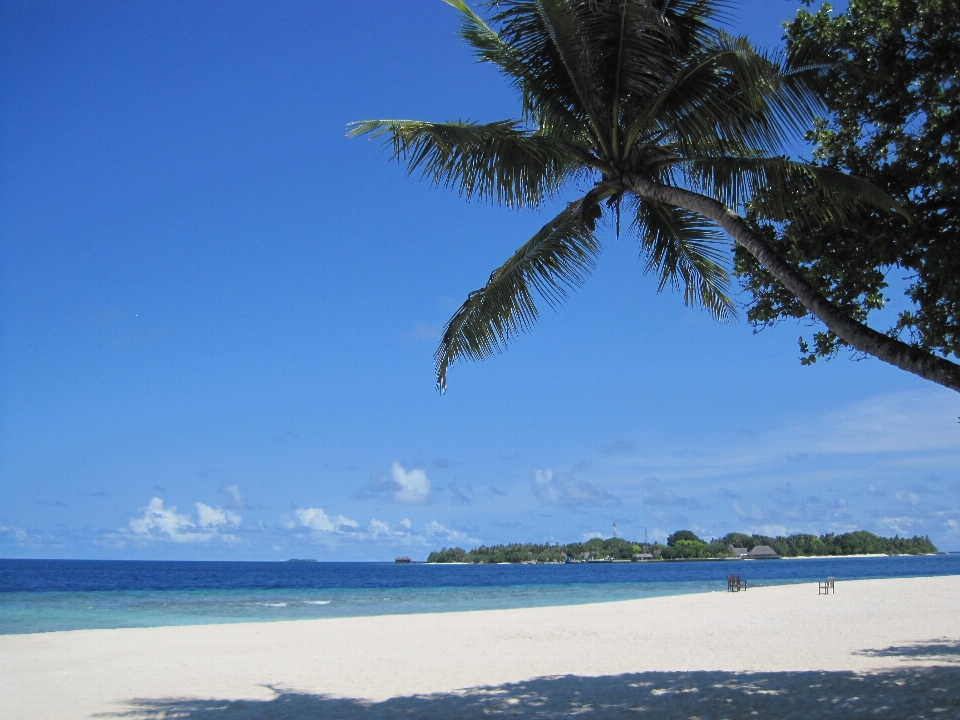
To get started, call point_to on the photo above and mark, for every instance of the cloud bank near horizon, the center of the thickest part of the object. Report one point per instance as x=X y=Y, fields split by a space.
x=888 y=465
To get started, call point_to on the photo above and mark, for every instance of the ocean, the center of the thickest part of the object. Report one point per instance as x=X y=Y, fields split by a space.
x=51 y=595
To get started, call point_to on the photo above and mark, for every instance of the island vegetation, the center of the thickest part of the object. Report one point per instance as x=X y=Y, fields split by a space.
x=686 y=545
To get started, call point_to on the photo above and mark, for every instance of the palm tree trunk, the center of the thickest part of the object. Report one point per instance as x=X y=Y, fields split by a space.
x=857 y=335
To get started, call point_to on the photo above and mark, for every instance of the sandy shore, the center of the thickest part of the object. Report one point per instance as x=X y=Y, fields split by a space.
x=883 y=648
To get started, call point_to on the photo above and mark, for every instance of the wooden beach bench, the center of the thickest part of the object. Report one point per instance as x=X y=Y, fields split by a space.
x=826 y=586
x=735 y=584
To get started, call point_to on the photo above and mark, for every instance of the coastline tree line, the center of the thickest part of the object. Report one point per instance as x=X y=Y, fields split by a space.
x=685 y=545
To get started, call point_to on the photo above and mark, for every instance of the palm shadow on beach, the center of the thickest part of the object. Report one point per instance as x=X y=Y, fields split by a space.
x=943 y=650
x=908 y=692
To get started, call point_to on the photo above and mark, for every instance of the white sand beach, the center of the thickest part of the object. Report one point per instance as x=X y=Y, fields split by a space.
x=883 y=648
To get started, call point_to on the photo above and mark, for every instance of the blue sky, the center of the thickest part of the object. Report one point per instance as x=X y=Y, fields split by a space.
x=218 y=314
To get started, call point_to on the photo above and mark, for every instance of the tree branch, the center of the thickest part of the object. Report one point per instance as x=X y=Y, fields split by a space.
x=863 y=338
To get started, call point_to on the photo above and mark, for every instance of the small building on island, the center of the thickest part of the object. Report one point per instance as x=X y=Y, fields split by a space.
x=762 y=552
x=403 y=560
x=738 y=553
x=640 y=557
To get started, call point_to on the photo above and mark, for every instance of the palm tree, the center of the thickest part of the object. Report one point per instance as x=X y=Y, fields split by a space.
x=673 y=123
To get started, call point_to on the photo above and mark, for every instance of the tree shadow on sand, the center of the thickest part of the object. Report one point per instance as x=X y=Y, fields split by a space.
x=943 y=650
x=903 y=693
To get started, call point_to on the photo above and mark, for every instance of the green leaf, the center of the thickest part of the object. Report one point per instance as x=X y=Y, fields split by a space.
x=687 y=252
x=776 y=187
x=552 y=262
x=498 y=161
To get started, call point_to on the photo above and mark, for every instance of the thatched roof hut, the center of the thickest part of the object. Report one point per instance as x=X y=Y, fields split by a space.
x=762 y=552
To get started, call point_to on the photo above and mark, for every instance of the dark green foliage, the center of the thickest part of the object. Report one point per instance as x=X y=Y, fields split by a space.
x=679 y=535
x=552 y=262
x=686 y=550
x=736 y=539
x=860 y=542
x=893 y=109
x=613 y=92
x=615 y=548
x=685 y=545
x=451 y=555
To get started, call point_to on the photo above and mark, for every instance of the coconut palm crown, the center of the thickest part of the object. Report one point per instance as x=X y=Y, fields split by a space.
x=675 y=122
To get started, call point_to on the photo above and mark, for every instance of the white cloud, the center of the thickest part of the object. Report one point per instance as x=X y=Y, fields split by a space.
x=543 y=481
x=435 y=528
x=160 y=523
x=920 y=425
x=754 y=513
x=414 y=485
x=566 y=491
x=902 y=422
x=209 y=516
x=236 y=497
x=592 y=535
x=887 y=456
x=915 y=421
x=411 y=487
x=19 y=534
x=317 y=519
x=378 y=527
x=909 y=497
x=770 y=530
x=406 y=523
x=166 y=524
x=900 y=525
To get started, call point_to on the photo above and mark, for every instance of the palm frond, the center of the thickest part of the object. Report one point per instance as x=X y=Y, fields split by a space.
x=673 y=101
x=555 y=260
x=633 y=90
x=792 y=85
x=565 y=28
x=563 y=65
x=687 y=252
x=726 y=98
x=496 y=161
x=540 y=104
x=655 y=41
x=778 y=186
x=635 y=46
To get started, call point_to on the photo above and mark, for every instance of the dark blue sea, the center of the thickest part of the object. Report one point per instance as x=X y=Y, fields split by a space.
x=49 y=595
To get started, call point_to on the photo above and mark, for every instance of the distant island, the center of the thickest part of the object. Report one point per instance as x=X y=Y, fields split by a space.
x=685 y=545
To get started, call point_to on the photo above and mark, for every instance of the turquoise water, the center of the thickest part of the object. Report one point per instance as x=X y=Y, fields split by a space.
x=30 y=612
x=43 y=596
